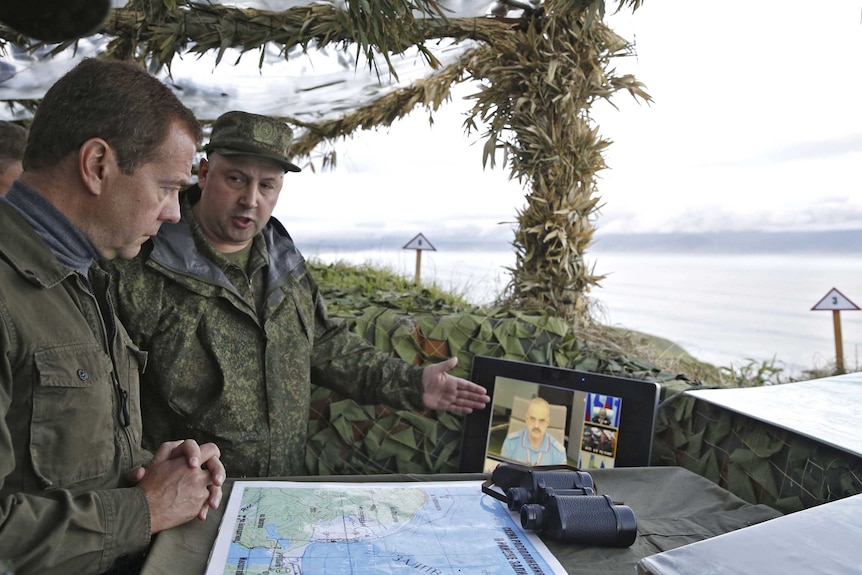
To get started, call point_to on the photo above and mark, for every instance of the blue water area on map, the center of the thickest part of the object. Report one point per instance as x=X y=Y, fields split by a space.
x=259 y=558
x=453 y=533
x=456 y=537
x=273 y=534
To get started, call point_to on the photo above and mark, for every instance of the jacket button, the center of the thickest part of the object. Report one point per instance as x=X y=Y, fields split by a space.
x=83 y=375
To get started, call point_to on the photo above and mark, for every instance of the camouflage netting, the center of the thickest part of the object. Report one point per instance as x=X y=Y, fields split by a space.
x=756 y=461
x=348 y=438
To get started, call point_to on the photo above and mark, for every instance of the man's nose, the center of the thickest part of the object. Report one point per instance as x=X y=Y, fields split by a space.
x=250 y=196
x=171 y=211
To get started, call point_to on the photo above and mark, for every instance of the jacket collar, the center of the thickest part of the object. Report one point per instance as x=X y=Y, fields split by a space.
x=182 y=247
x=27 y=251
x=64 y=239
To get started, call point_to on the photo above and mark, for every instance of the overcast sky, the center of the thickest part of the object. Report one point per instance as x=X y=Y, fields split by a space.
x=756 y=124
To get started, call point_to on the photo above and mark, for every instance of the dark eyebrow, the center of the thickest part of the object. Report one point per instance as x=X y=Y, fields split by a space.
x=233 y=170
x=179 y=183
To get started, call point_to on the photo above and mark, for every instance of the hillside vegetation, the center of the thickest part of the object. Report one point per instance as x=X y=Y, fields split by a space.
x=362 y=291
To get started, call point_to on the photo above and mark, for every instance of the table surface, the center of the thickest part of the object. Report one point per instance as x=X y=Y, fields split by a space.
x=822 y=540
x=673 y=507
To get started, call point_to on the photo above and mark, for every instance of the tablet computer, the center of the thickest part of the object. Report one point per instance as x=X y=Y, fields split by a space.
x=547 y=415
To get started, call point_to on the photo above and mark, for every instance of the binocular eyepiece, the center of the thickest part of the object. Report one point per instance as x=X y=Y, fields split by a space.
x=536 y=484
x=563 y=505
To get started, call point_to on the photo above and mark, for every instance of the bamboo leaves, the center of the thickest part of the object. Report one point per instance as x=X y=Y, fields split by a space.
x=538 y=91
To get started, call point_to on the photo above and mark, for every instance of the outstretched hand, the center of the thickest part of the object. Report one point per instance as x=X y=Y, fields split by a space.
x=450 y=393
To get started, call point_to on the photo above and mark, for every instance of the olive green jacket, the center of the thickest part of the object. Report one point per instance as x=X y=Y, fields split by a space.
x=70 y=425
x=220 y=370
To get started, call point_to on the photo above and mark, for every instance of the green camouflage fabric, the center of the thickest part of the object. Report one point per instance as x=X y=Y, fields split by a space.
x=65 y=449
x=346 y=437
x=220 y=371
x=758 y=462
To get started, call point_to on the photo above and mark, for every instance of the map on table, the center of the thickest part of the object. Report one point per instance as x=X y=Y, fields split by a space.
x=434 y=528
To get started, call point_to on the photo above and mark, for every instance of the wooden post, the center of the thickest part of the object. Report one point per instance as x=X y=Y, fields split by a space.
x=839 y=346
x=419 y=243
x=836 y=301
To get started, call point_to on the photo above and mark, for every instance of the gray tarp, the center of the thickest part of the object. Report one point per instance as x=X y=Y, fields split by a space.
x=822 y=540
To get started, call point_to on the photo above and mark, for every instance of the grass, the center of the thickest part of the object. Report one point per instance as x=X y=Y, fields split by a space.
x=348 y=287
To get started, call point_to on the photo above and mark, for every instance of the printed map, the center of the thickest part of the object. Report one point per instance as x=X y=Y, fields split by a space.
x=435 y=528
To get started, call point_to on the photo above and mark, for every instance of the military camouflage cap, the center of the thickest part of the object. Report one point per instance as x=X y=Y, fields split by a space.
x=245 y=134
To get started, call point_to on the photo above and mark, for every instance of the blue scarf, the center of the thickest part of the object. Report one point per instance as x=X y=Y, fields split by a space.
x=66 y=241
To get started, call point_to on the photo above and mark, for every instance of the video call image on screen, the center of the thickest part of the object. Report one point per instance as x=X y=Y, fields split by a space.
x=536 y=424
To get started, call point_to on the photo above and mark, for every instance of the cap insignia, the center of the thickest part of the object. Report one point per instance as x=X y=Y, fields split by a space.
x=265 y=133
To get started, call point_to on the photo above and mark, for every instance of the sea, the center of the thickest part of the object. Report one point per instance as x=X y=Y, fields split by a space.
x=731 y=307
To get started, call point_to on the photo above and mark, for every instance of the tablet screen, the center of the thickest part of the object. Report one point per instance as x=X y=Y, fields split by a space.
x=545 y=415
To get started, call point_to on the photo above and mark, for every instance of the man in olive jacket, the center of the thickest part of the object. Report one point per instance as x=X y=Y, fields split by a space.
x=110 y=146
x=236 y=327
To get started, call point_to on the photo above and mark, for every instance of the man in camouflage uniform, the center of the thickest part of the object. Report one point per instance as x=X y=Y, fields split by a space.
x=235 y=324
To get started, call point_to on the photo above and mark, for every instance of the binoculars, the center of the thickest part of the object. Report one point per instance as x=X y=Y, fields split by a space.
x=563 y=505
x=536 y=484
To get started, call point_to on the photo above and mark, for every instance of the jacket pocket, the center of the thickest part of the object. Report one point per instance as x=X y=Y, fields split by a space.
x=72 y=430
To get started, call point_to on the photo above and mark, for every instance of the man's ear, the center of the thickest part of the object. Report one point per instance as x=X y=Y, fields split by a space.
x=95 y=158
x=203 y=170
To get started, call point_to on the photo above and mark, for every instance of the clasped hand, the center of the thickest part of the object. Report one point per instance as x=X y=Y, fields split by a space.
x=182 y=481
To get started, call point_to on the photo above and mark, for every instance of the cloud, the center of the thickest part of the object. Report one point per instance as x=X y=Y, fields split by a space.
x=756 y=125
x=839 y=145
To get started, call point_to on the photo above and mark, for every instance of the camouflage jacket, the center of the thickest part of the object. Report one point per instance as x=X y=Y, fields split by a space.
x=70 y=426
x=221 y=370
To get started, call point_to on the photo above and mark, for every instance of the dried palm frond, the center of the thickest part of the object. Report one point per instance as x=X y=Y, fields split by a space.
x=145 y=31
x=431 y=93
